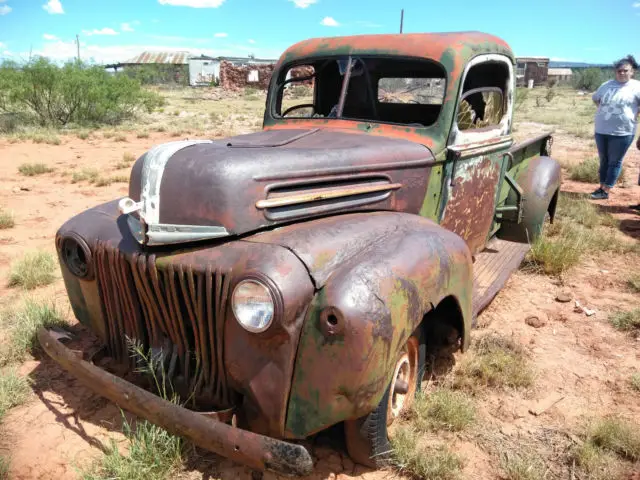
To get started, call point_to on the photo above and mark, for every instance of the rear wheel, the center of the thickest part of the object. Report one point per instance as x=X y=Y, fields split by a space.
x=367 y=438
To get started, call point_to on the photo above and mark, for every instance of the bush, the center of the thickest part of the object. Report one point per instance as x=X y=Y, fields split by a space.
x=590 y=78
x=73 y=93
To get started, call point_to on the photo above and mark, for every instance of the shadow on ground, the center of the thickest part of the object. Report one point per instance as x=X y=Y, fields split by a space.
x=74 y=406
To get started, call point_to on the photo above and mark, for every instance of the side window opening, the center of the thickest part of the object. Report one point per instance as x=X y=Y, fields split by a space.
x=483 y=103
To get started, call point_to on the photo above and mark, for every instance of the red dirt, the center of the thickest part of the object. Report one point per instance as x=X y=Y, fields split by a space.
x=582 y=358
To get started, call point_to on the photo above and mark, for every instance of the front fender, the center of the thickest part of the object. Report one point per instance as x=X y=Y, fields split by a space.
x=376 y=275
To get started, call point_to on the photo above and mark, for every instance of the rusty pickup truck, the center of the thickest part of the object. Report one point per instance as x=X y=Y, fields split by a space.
x=297 y=278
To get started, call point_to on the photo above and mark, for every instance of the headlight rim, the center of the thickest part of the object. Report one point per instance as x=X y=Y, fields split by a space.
x=86 y=251
x=273 y=290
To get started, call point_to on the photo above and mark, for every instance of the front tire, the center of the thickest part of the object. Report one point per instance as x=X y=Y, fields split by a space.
x=367 y=438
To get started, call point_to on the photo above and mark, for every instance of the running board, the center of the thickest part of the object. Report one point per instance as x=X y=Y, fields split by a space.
x=492 y=268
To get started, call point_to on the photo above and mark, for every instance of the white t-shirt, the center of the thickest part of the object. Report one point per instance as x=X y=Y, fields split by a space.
x=618 y=109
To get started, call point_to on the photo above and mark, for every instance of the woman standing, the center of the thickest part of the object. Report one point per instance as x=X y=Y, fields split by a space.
x=615 y=122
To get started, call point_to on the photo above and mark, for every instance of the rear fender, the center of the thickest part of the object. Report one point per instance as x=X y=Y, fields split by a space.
x=376 y=275
x=539 y=179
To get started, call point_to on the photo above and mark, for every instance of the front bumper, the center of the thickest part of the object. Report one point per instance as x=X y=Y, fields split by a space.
x=254 y=450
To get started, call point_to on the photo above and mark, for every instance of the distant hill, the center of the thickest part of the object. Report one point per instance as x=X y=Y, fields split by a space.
x=578 y=65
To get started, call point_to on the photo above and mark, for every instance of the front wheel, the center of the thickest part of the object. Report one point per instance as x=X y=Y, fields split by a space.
x=367 y=438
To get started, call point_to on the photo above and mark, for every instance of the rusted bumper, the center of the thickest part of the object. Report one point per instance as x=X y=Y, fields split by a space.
x=256 y=451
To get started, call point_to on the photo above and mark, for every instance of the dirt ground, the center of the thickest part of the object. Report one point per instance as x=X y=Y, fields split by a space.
x=581 y=359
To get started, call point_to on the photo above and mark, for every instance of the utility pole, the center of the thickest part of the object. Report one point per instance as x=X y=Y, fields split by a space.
x=78 y=43
x=401 y=19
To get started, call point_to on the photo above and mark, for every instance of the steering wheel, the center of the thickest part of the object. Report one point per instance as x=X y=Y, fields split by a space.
x=303 y=105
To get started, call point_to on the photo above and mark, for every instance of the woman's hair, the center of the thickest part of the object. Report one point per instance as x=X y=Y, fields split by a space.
x=628 y=60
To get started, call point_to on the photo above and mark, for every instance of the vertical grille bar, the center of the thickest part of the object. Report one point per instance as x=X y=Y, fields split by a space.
x=171 y=310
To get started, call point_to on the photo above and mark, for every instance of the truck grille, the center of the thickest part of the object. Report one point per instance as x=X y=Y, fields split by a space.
x=174 y=313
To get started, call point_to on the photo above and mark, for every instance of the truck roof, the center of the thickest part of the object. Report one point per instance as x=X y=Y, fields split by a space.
x=452 y=49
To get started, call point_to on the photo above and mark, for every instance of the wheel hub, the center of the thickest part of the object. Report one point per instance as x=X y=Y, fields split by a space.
x=404 y=380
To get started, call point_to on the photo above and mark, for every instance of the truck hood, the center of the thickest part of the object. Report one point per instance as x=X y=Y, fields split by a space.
x=203 y=189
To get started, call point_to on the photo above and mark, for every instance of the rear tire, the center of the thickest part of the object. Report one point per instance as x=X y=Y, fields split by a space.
x=367 y=438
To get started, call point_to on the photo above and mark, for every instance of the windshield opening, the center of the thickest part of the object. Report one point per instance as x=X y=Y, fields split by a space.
x=376 y=89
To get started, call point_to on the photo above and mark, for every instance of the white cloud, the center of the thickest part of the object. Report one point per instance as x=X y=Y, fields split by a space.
x=102 y=31
x=126 y=27
x=48 y=36
x=5 y=9
x=303 y=3
x=636 y=5
x=329 y=22
x=62 y=51
x=220 y=35
x=53 y=7
x=3 y=45
x=193 y=3
x=251 y=41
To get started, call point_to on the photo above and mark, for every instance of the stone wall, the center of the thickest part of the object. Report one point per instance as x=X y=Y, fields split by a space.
x=235 y=77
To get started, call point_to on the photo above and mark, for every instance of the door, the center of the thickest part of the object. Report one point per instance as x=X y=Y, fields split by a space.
x=475 y=164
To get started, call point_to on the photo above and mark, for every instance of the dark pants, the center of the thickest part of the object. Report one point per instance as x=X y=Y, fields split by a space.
x=611 y=150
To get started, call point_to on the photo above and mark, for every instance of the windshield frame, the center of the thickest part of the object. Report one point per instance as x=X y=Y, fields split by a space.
x=277 y=86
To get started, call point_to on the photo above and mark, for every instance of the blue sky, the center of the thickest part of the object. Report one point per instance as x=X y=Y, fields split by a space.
x=114 y=30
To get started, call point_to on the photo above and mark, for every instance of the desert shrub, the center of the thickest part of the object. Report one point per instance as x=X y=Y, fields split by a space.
x=551 y=93
x=32 y=169
x=626 y=320
x=34 y=270
x=158 y=74
x=590 y=78
x=6 y=219
x=72 y=93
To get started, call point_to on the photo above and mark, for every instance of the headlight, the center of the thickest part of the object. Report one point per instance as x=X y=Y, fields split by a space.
x=76 y=256
x=253 y=305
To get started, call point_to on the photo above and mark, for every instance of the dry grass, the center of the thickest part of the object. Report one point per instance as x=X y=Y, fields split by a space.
x=519 y=466
x=442 y=409
x=153 y=454
x=634 y=381
x=86 y=174
x=633 y=282
x=6 y=220
x=579 y=229
x=596 y=463
x=14 y=390
x=419 y=461
x=495 y=362
x=587 y=171
x=568 y=111
x=4 y=468
x=120 y=137
x=626 y=321
x=143 y=134
x=22 y=325
x=33 y=270
x=617 y=435
x=33 y=169
x=83 y=134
